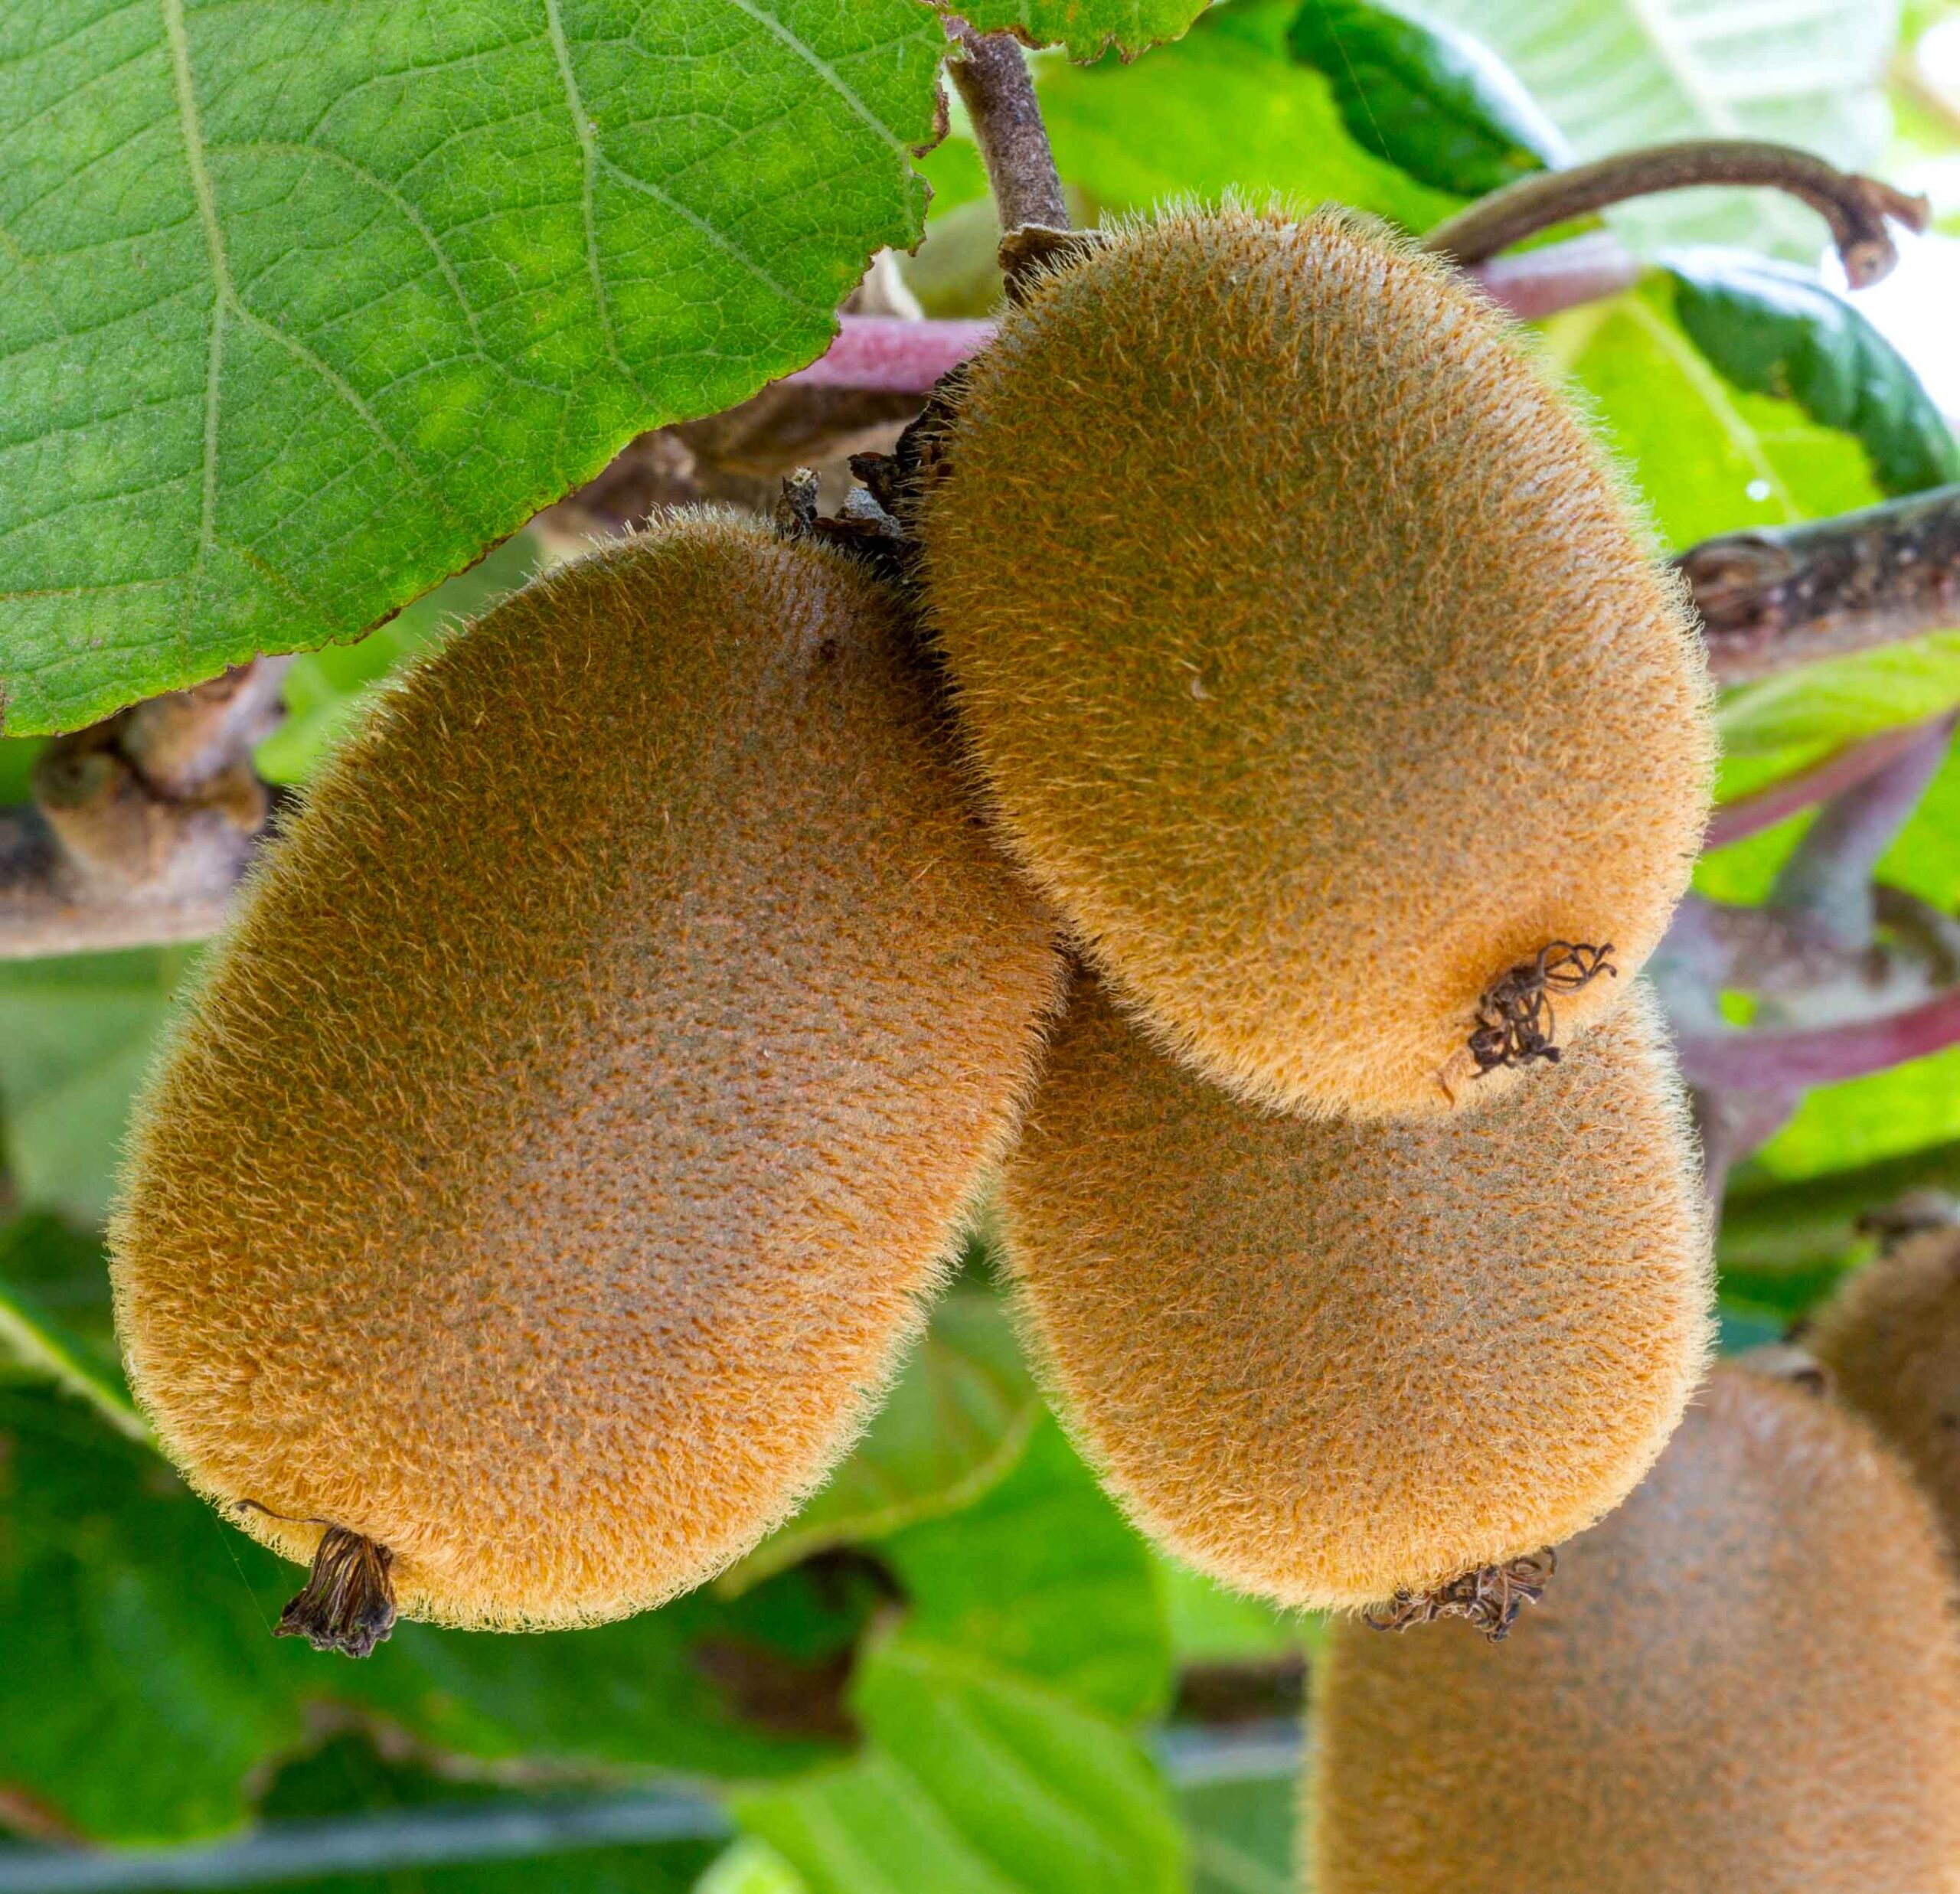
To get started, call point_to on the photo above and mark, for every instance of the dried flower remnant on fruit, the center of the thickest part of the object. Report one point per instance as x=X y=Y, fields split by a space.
x=347 y=1603
x=1180 y=532
x=1491 y=1597
x=551 y=1168
x=1268 y=1330
x=1515 y=1023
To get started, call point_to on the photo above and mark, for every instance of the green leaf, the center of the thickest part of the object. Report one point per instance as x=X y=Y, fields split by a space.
x=1707 y=457
x=974 y=1782
x=77 y=1036
x=1086 y=27
x=39 y=1250
x=1890 y=1113
x=1432 y=100
x=952 y=1427
x=1616 y=74
x=1043 y=1576
x=141 y=1684
x=1227 y=109
x=1841 y=699
x=1772 y=328
x=747 y=1688
x=302 y=307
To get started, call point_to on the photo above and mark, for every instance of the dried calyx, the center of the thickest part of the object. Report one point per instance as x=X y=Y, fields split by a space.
x=1491 y=1597
x=347 y=1603
x=1515 y=1023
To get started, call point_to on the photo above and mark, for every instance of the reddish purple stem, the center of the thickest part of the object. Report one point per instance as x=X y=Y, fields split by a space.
x=891 y=354
x=1777 y=1061
x=1842 y=770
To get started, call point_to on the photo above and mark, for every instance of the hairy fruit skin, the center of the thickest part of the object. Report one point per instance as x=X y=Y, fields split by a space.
x=1309 y=658
x=1746 y=1681
x=1889 y=1339
x=567 y=1130
x=1325 y=1361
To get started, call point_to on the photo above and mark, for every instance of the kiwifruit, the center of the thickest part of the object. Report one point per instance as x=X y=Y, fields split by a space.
x=1330 y=1362
x=551 y=1164
x=1312 y=661
x=1744 y=1681
x=1889 y=1337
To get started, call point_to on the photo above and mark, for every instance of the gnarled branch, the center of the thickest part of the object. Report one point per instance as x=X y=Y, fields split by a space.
x=141 y=824
x=1780 y=597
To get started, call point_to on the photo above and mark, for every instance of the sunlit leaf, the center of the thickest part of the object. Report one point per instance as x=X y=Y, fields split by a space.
x=304 y=306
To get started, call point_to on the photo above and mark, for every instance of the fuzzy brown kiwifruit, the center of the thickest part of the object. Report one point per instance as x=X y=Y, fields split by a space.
x=1311 y=661
x=551 y=1164
x=1746 y=1681
x=1332 y=1362
x=1890 y=1339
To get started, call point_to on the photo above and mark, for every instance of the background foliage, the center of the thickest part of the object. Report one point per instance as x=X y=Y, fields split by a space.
x=301 y=308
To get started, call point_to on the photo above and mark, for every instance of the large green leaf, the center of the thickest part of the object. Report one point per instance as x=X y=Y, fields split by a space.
x=1707 y=457
x=1043 y=1576
x=952 y=1426
x=77 y=1036
x=1615 y=73
x=1773 y=328
x=303 y=306
x=1433 y=100
x=1084 y=27
x=975 y=1781
x=142 y=1686
x=1226 y=108
x=738 y=1688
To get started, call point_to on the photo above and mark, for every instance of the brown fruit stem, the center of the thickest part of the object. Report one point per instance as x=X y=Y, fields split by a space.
x=1856 y=208
x=993 y=79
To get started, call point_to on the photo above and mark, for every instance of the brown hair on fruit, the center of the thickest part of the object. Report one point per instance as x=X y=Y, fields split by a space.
x=1747 y=1680
x=556 y=1153
x=1331 y=1362
x=1890 y=1339
x=1311 y=661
